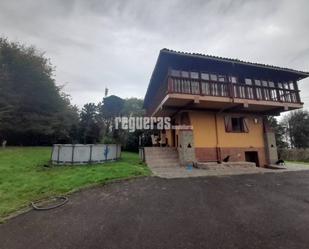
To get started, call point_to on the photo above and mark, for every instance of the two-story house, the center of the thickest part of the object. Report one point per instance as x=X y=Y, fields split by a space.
x=226 y=101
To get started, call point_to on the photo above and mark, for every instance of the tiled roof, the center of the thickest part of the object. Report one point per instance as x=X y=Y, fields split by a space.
x=237 y=61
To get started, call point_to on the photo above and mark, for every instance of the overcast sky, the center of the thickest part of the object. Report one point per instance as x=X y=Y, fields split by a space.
x=96 y=44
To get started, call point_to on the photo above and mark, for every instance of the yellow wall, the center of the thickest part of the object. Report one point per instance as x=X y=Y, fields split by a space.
x=205 y=133
x=169 y=137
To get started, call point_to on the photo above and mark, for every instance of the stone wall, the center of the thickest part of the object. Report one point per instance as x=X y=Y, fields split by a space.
x=186 y=149
x=270 y=147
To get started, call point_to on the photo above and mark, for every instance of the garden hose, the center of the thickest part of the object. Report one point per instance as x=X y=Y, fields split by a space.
x=63 y=198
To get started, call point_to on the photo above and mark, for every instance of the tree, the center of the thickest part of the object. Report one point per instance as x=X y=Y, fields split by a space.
x=110 y=108
x=33 y=110
x=89 y=127
x=133 y=107
x=297 y=128
x=279 y=131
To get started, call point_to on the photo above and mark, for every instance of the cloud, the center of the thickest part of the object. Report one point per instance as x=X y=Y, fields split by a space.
x=96 y=44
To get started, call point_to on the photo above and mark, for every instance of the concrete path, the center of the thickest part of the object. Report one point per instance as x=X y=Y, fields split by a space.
x=268 y=211
x=180 y=172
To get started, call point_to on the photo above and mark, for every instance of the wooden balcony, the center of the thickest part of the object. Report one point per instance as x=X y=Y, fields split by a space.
x=265 y=97
x=232 y=90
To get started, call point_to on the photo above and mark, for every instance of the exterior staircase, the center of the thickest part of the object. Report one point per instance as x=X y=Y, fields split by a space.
x=161 y=157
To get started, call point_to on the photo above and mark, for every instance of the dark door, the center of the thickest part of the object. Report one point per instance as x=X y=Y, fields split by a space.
x=252 y=156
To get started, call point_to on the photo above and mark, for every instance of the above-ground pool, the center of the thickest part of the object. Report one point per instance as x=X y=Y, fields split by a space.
x=84 y=153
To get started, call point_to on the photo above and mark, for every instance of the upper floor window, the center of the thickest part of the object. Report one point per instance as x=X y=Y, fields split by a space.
x=204 y=76
x=291 y=83
x=264 y=83
x=175 y=73
x=194 y=75
x=248 y=81
x=285 y=85
x=233 y=79
x=257 y=82
x=271 y=84
x=185 y=74
x=221 y=78
x=213 y=77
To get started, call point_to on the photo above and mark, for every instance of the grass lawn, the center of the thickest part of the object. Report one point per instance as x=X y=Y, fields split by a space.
x=23 y=177
x=298 y=162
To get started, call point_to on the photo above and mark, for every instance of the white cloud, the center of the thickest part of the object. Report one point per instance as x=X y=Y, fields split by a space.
x=96 y=44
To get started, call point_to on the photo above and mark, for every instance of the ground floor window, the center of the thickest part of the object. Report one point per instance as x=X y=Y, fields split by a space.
x=236 y=124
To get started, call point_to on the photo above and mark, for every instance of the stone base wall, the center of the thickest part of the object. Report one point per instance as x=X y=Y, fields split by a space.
x=186 y=149
x=271 y=148
x=236 y=154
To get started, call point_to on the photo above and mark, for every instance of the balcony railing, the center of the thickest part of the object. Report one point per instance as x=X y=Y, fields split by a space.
x=232 y=90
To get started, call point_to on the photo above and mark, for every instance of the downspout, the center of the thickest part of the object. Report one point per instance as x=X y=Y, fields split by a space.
x=218 y=151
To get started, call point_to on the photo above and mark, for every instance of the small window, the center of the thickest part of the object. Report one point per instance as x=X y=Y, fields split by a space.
x=233 y=79
x=175 y=73
x=248 y=81
x=271 y=84
x=291 y=83
x=185 y=74
x=279 y=85
x=257 y=82
x=213 y=77
x=221 y=78
x=205 y=76
x=235 y=124
x=194 y=75
x=264 y=83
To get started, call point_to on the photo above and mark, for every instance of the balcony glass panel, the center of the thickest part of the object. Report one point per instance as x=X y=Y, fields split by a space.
x=175 y=73
x=194 y=75
x=219 y=85
x=285 y=85
x=213 y=77
x=248 y=81
x=221 y=78
x=291 y=83
x=233 y=79
x=204 y=76
x=257 y=82
x=185 y=74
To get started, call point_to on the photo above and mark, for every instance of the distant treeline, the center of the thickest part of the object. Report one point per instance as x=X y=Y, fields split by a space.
x=35 y=111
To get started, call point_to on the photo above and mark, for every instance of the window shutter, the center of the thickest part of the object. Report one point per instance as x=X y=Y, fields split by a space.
x=228 y=123
x=245 y=123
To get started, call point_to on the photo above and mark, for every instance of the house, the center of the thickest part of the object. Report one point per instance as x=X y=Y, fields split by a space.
x=224 y=102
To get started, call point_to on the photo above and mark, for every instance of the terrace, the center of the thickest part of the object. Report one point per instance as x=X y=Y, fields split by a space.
x=197 y=81
x=204 y=90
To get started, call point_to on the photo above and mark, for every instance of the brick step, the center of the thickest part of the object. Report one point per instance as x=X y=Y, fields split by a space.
x=160 y=160
x=161 y=157
x=152 y=157
x=160 y=150
x=162 y=154
x=165 y=166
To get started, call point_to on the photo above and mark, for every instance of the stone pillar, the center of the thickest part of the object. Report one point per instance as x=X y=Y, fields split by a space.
x=186 y=149
x=270 y=144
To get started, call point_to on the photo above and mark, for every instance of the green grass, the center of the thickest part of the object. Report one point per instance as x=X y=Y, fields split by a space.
x=298 y=162
x=23 y=177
